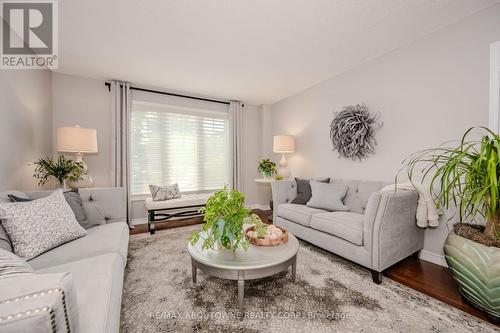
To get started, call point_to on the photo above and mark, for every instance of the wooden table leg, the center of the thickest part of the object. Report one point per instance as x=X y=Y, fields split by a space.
x=294 y=269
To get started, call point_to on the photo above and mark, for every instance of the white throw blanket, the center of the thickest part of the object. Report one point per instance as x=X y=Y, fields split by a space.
x=427 y=212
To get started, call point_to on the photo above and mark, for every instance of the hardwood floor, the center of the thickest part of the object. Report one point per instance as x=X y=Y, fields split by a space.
x=430 y=279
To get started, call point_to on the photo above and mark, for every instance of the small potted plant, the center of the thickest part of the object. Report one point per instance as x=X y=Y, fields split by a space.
x=225 y=215
x=62 y=169
x=267 y=167
x=467 y=177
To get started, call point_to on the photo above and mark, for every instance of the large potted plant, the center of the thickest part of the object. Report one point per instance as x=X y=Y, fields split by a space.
x=267 y=167
x=225 y=215
x=466 y=177
x=62 y=169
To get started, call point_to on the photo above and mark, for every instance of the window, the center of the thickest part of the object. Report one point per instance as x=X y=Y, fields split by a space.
x=178 y=144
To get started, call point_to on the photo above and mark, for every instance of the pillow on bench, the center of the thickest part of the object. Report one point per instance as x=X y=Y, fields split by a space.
x=162 y=193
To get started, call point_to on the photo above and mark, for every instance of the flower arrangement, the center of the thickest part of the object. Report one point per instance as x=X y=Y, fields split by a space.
x=267 y=167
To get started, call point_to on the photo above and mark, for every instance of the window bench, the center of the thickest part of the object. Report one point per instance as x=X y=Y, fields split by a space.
x=186 y=205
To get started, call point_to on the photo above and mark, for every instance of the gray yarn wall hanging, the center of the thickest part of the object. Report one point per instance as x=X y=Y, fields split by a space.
x=352 y=132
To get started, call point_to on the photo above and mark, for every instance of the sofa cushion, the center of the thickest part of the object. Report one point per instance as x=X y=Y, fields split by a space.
x=328 y=196
x=358 y=193
x=106 y=238
x=345 y=225
x=298 y=213
x=11 y=265
x=98 y=282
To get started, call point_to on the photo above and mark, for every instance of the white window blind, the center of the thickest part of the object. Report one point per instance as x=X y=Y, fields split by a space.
x=176 y=144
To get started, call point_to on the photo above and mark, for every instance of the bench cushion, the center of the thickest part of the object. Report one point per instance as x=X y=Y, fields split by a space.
x=195 y=199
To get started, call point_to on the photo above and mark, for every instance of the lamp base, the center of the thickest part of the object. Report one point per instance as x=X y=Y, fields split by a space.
x=283 y=170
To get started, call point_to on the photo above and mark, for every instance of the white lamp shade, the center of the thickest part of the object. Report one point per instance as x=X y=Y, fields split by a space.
x=76 y=140
x=283 y=144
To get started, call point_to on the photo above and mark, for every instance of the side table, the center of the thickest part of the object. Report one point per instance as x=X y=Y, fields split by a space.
x=268 y=181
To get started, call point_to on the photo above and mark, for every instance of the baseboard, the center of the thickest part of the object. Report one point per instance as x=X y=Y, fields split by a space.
x=433 y=258
x=141 y=220
x=259 y=206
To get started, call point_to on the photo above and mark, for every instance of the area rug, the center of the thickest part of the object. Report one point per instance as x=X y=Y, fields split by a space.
x=330 y=295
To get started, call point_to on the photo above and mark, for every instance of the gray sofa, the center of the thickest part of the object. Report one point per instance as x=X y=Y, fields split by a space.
x=378 y=230
x=96 y=261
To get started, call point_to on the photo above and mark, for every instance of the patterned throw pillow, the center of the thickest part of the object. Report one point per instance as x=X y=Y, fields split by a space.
x=162 y=193
x=37 y=226
x=11 y=265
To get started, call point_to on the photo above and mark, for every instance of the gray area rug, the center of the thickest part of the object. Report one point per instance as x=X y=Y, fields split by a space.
x=329 y=295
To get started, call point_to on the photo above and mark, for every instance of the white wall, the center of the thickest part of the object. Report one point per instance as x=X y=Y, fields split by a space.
x=87 y=103
x=25 y=125
x=427 y=92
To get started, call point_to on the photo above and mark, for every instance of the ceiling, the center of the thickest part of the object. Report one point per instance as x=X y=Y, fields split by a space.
x=257 y=51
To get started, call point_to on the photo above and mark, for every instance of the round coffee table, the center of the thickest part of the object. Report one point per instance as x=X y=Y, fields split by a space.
x=255 y=263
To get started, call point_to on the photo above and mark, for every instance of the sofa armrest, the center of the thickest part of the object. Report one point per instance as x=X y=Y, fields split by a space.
x=104 y=204
x=283 y=191
x=38 y=303
x=390 y=228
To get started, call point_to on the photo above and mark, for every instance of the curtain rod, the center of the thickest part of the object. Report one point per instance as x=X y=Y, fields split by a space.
x=108 y=84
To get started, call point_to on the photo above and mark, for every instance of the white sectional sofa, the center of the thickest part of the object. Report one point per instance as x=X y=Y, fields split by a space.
x=378 y=230
x=96 y=262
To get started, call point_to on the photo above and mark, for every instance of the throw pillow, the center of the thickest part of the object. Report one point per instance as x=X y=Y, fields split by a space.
x=11 y=265
x=162 y=193
x=40 y=225
x=328 y=196
x=4 y=239
x=304 y=190
x=74 y=201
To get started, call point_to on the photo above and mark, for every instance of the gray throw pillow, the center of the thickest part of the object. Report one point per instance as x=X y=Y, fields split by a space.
x=11 y=265
x=5 y=242
x=328 y=196
x=304 y=190
x=37 y=226
x=162 y=193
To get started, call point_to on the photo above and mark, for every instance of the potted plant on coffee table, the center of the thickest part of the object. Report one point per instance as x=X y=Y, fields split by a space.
x=466 y=176
x=225 y=215
x=267 y=167
x=62 y=169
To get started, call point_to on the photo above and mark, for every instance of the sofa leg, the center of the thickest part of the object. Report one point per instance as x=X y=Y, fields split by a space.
x=376 y=276
x=416 y=255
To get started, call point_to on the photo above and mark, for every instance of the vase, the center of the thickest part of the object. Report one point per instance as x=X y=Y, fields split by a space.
x=267 y=174
x=220 y=226
x=476 y=269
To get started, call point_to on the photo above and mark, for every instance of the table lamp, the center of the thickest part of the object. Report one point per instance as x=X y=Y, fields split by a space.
x=80 y=141
x=283 y=144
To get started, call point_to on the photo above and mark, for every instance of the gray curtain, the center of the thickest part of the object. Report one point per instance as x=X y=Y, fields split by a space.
x=121 y=105
x=236 y=112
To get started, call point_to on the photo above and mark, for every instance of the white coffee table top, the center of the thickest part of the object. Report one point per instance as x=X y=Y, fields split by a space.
x=255 y=257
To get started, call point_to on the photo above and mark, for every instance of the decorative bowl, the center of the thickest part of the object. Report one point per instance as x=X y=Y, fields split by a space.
x=267 y=241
